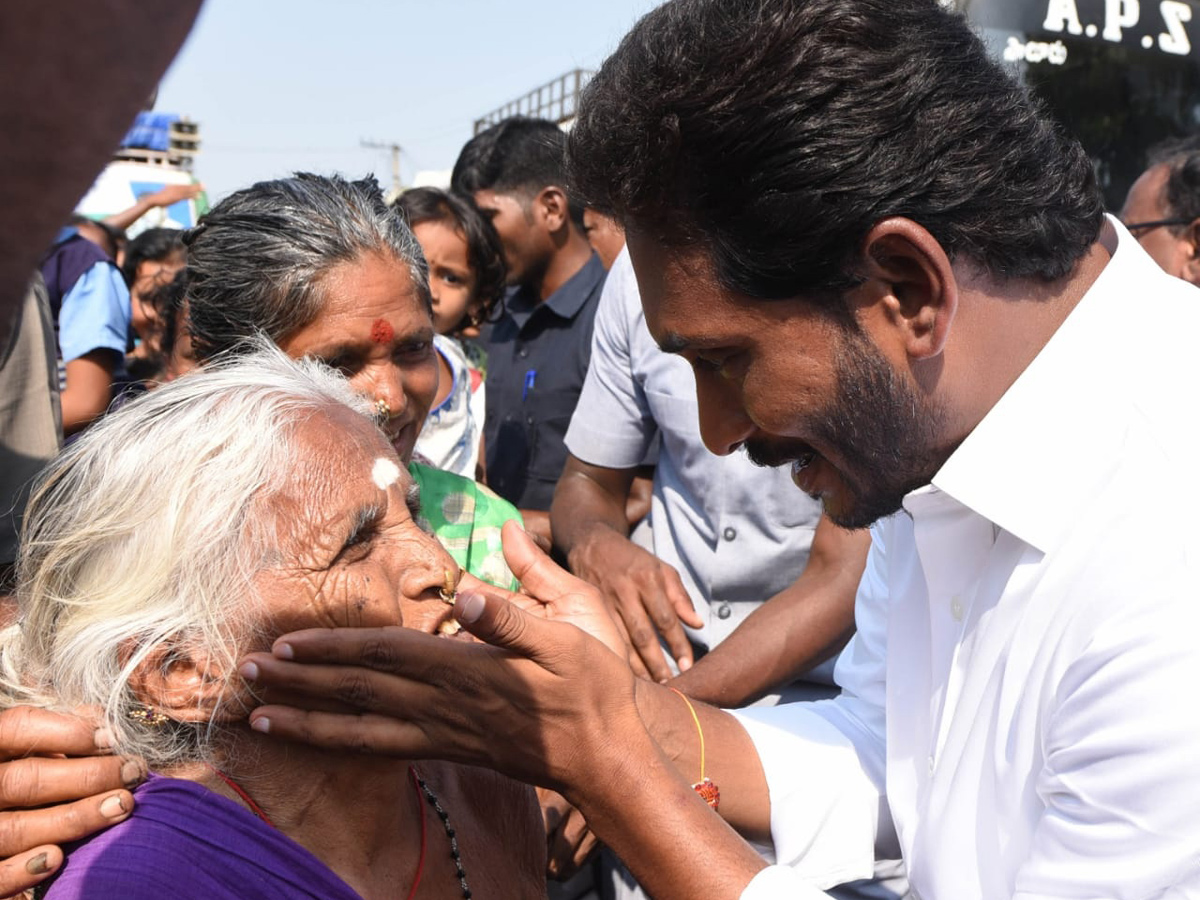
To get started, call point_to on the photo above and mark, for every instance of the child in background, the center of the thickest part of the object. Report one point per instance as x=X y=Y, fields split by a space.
x=466 y=283
x=151 y=260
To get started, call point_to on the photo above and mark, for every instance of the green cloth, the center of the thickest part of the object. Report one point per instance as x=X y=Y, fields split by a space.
x=466 y=518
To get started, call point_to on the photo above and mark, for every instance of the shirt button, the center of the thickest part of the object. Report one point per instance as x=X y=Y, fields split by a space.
x=724 y=611
x=508 y=418
x=729 y=533
x=956 y=608
x=529 y=420
x=522 y=353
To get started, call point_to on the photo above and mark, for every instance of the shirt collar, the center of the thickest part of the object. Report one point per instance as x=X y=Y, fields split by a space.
x=567 y=301
x=1055 y=437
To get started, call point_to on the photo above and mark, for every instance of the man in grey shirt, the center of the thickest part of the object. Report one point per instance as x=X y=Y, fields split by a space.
x=728 y=535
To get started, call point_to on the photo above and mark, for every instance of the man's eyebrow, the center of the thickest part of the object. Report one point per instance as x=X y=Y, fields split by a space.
x=412 y=498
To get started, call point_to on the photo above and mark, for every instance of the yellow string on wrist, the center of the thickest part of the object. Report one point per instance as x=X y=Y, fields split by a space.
x=705 y=787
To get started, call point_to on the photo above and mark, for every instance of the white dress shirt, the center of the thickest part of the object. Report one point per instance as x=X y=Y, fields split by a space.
x=1020 y=701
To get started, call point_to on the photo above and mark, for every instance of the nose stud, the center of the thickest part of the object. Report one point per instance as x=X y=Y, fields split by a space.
x=382 y=407
x=449 y=593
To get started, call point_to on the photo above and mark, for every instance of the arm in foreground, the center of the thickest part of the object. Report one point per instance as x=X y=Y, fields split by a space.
x=545 y=703
x=800 y=627
x=50 y=761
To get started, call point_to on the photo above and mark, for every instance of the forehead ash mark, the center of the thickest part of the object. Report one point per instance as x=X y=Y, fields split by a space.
x=382 y=331
x=384 y=473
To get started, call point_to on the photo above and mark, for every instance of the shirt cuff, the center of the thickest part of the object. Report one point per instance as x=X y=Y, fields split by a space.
x=824 y=806
x=780 y=883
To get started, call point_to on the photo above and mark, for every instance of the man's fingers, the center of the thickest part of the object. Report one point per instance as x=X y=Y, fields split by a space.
x=538 y=573
x=37 y=781
x=364 y=733
x=335 y=689
x=62 y=824
x=25 y=870
x=684 y=608
x=642 y=633
x=635 y=661
x=25 y=730
x=391 y=648
x=502 y=624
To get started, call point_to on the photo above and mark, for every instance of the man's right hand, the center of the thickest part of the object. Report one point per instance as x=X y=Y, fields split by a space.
x=646 y=596
x=62 y=764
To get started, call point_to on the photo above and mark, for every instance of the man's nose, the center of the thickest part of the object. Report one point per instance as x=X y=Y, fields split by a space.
x=724 y=425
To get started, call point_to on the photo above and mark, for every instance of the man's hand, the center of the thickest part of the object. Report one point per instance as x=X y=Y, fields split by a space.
x=544 y=704
x=569 y=841
x=550 y=592
x=37 y=770
x=646 y=597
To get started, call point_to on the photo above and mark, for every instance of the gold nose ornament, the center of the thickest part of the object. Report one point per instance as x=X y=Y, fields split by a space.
x=449 y=590
x=448 y=594
x=382 y=407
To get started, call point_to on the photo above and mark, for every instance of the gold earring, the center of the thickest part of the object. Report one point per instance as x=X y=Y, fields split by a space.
x=382 y=407
x=448 y=593
x=151 y=718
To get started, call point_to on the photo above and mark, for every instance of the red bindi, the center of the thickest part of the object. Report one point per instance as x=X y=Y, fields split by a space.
x=382 y=331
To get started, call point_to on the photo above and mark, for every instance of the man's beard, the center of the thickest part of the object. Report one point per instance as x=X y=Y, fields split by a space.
x=882 y=430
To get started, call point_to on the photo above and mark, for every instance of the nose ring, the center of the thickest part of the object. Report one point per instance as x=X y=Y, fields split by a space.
x=382 y=407
x=448 y=593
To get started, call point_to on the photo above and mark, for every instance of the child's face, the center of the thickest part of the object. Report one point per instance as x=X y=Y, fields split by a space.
x=451 y=278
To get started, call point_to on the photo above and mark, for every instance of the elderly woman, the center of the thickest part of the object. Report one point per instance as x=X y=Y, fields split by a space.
x=324 y=269
x=193 y=525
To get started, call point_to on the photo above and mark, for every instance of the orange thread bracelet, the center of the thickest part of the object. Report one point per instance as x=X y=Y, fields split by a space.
x=705 y=787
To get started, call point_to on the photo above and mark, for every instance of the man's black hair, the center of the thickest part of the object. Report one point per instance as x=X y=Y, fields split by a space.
x=485 y=254
x=152 y=245
x=1181 y=192
x=774 y=133
x=518 y=156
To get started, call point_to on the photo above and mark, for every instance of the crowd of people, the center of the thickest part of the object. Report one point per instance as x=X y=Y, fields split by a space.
x=757 y=491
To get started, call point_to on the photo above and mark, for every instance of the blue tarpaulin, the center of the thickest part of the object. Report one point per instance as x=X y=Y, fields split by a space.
x=151 y=131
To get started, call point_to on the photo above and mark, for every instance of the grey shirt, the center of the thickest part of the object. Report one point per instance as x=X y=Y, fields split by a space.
x=737 y=533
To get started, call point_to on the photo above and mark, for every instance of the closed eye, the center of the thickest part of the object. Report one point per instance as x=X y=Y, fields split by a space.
x=363 y=529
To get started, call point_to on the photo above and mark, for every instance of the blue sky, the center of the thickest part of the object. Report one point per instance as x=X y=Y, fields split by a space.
x=279 y=86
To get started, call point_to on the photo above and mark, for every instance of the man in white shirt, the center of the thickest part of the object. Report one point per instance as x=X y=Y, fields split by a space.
x=886 y=267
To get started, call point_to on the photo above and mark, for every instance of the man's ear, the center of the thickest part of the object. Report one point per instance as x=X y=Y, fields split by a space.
x=552 y=208
x=185 y=685
x=909 y=286
x=1191 y=252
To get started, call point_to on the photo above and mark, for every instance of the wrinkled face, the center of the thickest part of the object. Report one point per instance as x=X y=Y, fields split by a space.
x=376 y=329
x=451 y=278
x=1145 y=203
x=525 y=249
x=348 y=551
x=151 y=275
x=795 y=385
x=605 y=235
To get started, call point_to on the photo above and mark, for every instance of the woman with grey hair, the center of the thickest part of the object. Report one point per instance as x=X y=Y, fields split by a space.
x=323 y=268
x=198 y=523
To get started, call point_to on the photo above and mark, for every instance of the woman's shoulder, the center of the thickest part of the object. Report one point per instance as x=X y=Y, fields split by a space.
x=184 y=841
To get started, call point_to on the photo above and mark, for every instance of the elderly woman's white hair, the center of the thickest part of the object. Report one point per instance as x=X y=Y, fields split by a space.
x=138 y=540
